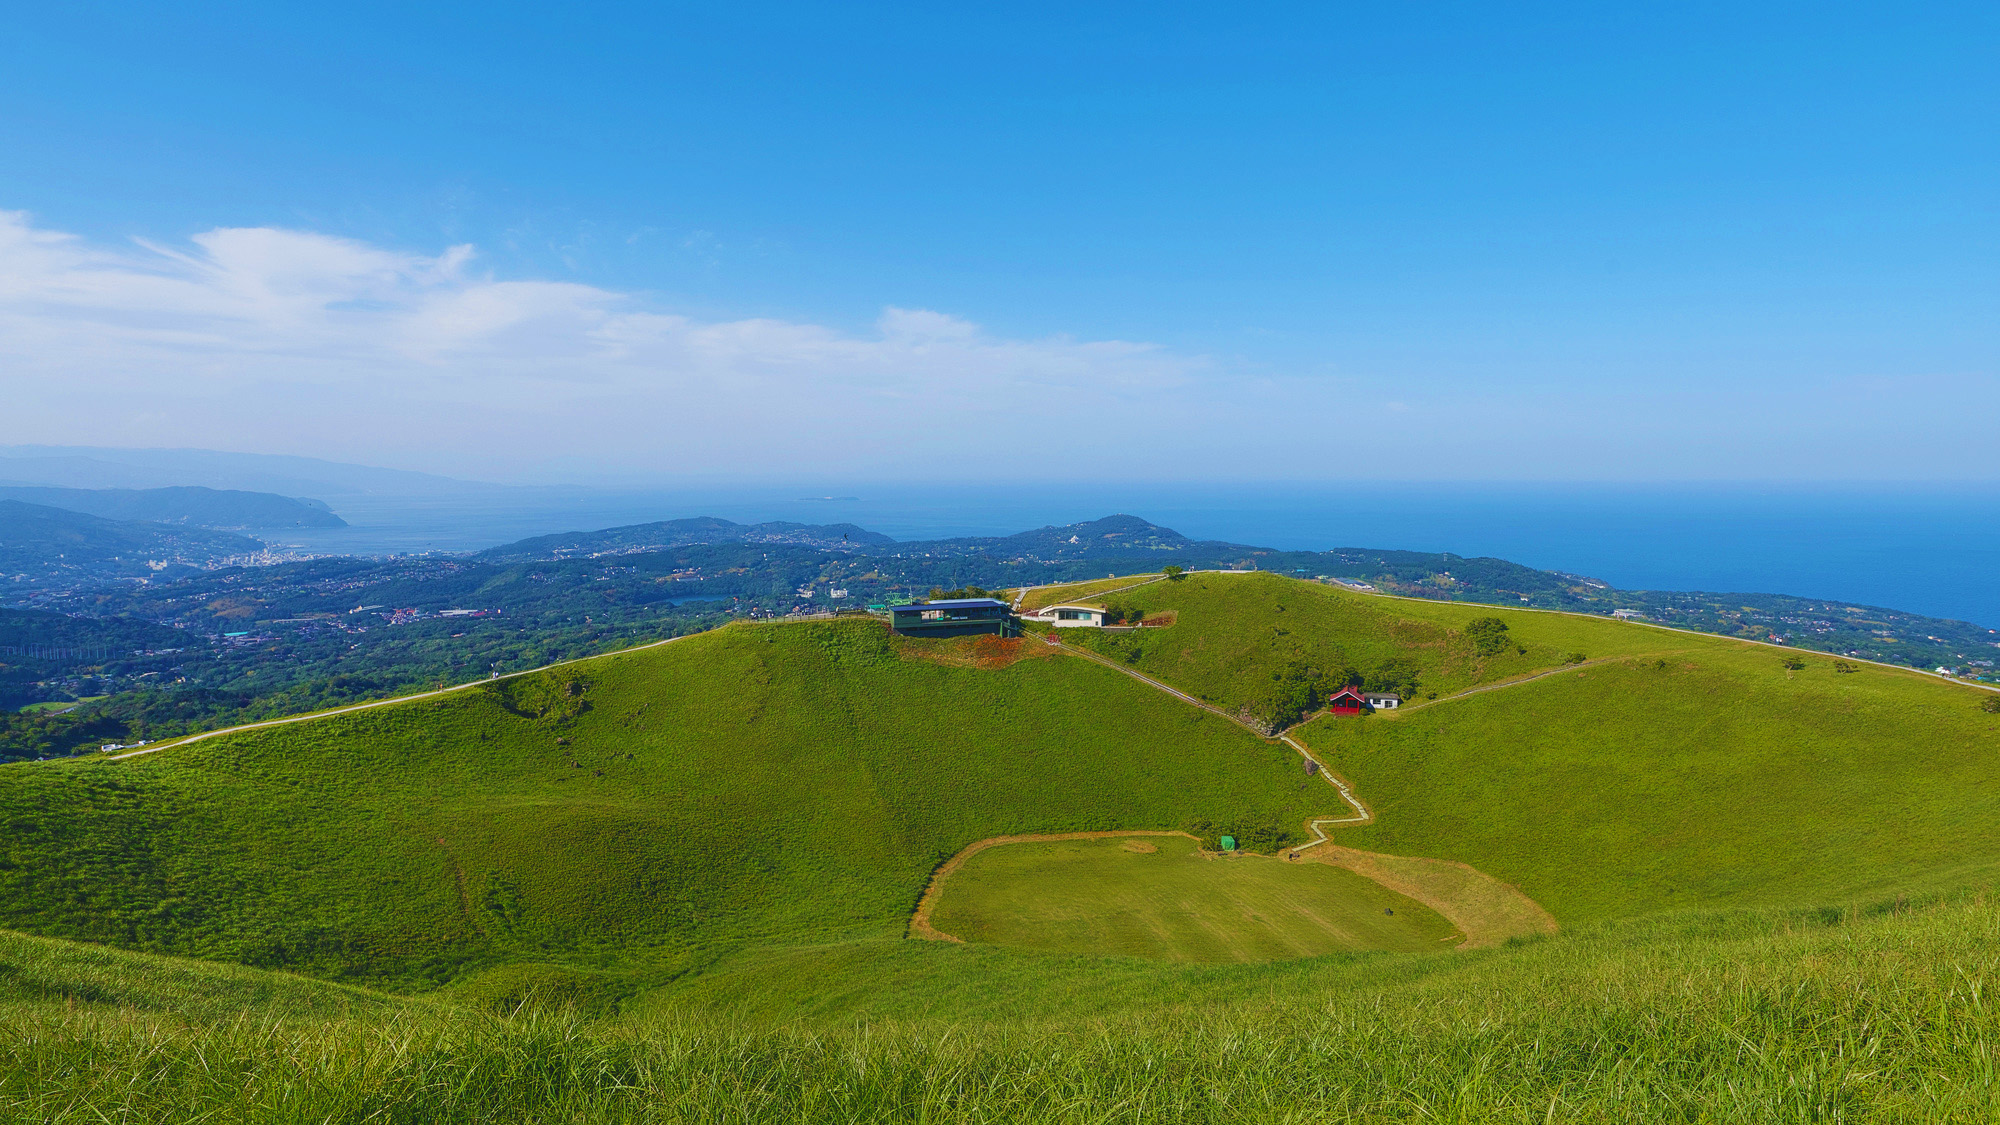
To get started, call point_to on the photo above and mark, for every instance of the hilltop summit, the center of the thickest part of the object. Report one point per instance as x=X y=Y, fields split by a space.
x=639 y=537
x=1112 y=537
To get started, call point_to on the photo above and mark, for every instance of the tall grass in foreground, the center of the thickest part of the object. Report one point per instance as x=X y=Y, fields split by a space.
x=1884 y=1018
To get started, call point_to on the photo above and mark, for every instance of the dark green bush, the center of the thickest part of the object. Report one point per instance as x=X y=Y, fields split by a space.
x=1488 y=635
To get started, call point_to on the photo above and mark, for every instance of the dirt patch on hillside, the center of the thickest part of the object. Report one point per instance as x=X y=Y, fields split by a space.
x=1486 y=910
x=985 y=651
x=1161 y=619
x=234 y=607
x=920 y=922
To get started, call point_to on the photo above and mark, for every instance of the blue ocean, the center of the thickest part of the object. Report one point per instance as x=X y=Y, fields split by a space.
x=1926 y=549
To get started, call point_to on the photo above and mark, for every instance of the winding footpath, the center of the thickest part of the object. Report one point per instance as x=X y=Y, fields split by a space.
x=1362 y=815
x=1369 y=865
x=1518 y=681
x=1319 y=826
x=1485 y=911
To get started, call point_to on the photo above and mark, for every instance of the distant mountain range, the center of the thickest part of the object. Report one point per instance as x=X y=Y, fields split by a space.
x=40 y=544
x=679 y=533
x=223 y=509
x=1113 y=537
x=48 y=552
x=1128 y=543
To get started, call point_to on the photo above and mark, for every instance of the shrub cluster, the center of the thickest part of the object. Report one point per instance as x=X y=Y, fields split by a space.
x=1488 y=635
x=545 y=695
x=1263 y=839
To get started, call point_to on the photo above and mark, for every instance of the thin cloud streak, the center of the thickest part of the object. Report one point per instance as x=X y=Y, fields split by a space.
x=251 y=325
x=271 y=340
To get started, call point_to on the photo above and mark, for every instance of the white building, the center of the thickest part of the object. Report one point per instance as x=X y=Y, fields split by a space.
x=1068 y=616
x=1381 y=701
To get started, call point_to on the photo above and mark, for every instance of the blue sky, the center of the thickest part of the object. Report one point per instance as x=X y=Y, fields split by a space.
x=1419 y=241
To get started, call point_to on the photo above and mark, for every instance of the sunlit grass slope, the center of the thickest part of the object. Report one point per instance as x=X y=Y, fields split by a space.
x=1090 y=592
x=1683 y=771
x=1164 y=898
x=71 y=973
x=1708 y=776
x=1689 y=809
x=1231 y=632
x=755 y=785
x=1808 y=1016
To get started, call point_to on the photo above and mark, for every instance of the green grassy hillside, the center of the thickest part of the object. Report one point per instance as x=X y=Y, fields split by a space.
x=687 y=871
x=1704 y=776
x=629 y=816
x=1855 y=1016
x=1671 y=771
x=1248 y=642
x=1091 y=593
x=633 y=819
x=36 y=969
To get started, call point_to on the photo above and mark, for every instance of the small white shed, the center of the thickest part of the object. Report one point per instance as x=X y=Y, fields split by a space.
x=1069 y=616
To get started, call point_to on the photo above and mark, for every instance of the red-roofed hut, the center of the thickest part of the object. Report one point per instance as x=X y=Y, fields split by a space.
x=1346 y=701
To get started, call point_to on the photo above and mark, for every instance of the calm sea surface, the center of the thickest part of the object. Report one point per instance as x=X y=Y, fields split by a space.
x=1926 y=549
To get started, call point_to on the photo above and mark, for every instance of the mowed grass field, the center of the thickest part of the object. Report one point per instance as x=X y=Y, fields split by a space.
x=1163 y=897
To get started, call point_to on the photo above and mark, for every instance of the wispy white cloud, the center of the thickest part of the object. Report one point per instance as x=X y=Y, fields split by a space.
x=291 y=341
x=302 y=334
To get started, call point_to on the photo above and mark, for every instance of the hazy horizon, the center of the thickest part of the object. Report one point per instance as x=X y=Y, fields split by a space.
x=812 y=483
x=1922 y=548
